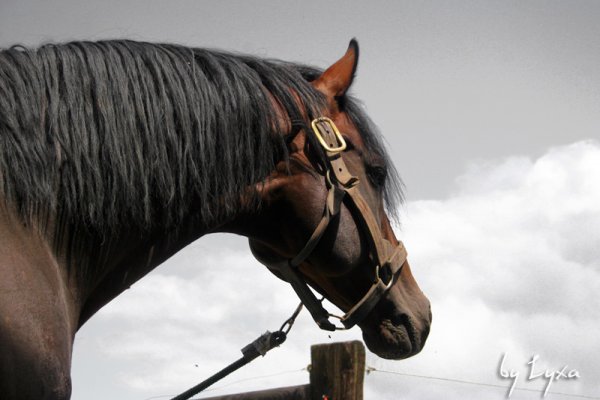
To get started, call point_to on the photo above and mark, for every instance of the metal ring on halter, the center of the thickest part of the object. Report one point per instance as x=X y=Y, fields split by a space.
x=338 y=328
x=287 y=325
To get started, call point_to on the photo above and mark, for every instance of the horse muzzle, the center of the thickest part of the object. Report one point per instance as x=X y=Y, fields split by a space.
x=395 y=332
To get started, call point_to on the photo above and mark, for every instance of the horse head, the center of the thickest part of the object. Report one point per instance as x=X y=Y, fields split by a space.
x=323 y=221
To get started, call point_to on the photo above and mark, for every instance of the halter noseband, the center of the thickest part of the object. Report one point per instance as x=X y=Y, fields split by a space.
x=389 y=258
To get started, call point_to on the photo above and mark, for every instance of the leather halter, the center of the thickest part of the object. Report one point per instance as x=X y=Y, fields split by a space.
x=343 y=185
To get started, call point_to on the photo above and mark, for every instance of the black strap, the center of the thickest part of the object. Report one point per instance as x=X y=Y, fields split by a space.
x=259 y=347
x=264 y=343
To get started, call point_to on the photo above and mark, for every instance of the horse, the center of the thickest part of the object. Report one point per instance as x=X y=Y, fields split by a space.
x=116 y=154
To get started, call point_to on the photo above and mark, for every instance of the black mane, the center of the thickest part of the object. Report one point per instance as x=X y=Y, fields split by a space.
x=122 y=133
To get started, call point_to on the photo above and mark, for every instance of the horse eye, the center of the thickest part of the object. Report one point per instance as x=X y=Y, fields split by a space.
x=377 y=175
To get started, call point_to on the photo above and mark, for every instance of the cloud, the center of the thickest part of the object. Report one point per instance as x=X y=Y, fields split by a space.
x=510 y=261
x=187 y=320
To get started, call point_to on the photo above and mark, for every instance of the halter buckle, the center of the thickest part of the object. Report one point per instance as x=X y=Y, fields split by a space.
x=331 y=148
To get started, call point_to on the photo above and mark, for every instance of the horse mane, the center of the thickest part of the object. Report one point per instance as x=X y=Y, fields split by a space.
x=119 y=133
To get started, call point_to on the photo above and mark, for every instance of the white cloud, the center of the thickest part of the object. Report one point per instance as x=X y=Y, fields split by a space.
x=189 y=319
x=511 y=263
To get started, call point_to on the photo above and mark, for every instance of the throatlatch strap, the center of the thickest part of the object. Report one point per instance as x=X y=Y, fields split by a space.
x=312 y=304
x=288 y=267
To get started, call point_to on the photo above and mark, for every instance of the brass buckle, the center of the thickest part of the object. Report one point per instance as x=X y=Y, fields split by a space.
x=330 y=148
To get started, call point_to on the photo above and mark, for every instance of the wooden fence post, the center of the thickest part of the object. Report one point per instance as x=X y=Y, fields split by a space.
x=337 y=371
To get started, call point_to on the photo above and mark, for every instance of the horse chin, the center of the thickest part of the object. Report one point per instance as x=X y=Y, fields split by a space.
x=392 y=338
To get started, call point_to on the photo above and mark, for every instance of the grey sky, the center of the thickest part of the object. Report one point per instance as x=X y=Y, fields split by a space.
x=470 y=96
x=446 y=82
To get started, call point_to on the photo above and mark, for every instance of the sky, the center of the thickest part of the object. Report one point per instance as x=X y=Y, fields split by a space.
x=491 y=114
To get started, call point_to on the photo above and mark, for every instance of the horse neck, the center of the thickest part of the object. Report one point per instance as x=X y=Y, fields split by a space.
x=94 y=268
x=112 y=264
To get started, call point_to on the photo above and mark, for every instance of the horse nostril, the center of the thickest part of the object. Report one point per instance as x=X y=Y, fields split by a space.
x=425 y=334
x=400 y=320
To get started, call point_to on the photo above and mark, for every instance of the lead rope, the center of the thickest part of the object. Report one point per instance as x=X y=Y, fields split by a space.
x=258 y=347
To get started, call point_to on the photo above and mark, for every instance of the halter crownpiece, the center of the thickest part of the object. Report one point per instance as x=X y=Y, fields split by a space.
x=389 y=258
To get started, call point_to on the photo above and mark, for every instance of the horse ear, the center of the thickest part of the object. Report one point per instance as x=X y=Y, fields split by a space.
x=336 y=79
